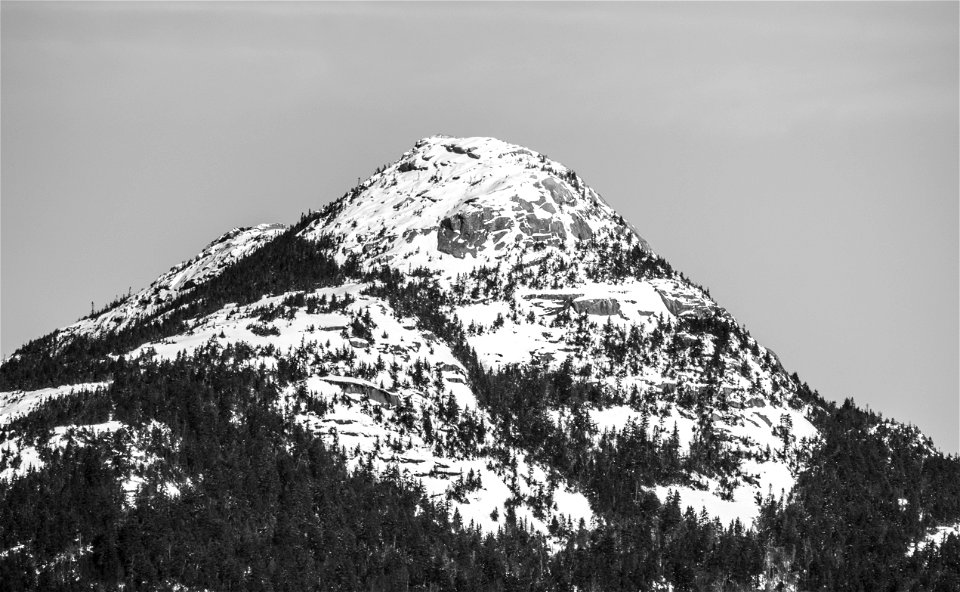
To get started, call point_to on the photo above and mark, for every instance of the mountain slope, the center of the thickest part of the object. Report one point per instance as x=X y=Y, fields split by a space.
x=227 y=249
x=476 y=325
x=451 y=204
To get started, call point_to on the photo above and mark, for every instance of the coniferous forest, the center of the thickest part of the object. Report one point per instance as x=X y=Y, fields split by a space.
x=260 y=503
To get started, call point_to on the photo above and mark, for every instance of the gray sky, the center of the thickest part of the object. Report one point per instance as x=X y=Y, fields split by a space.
x=800 y=160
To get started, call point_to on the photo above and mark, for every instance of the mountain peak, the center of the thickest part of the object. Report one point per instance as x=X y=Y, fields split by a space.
x=558 y=413
x=470 y=201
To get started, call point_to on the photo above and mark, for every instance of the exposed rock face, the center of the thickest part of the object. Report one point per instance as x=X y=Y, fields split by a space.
x=596 y=306
x=407 y=166
x=677 y=306
x=362 y=387
x=359 y=343
x=580 y=304
x=467 y=230
x=775 y=357
x=558 y=191
x=543 y=230
x=457 y=149
x=579 y=228
x=553 y=296
x=445 y=367
x=683 y=302
x=411 y=234
x=636 y=233
x=486 y=201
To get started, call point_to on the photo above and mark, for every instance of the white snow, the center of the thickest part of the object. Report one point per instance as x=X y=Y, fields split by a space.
x=394 y=217
x=935 y=536
x=365 y=428
x=14 y=404
x=22 y=458
x=209 y=263
x=28 y=457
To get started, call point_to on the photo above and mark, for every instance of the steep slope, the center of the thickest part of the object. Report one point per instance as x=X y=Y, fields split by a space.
x=452 y=204
x=533 y=254
x=210 y=262
x=476 y=325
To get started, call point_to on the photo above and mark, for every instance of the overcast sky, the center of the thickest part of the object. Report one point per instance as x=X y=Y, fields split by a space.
x=800 y=160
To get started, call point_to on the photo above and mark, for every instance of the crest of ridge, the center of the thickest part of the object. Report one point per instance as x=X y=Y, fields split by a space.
x=457 y=203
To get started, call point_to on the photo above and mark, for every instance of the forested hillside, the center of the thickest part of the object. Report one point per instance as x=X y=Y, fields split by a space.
x=467 y=373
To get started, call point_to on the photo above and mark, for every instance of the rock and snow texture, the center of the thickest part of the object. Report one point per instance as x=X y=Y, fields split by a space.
x=458 y=205
x=397 y=399
x=759 y=418
x=468 y=210
x=451 y=204
x=228 y=248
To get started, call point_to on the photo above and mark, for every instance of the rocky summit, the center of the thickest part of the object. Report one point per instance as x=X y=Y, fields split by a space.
x=477 y=199
x=468 y=372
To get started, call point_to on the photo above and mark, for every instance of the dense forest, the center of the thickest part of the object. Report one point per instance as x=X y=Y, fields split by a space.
x=232 y=494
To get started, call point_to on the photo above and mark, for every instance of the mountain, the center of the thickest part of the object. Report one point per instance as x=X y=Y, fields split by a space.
x=468 y=372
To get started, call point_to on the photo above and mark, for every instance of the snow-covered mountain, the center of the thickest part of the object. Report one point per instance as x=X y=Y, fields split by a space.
x=225 y=250
x=493 y=332
x=452 y=204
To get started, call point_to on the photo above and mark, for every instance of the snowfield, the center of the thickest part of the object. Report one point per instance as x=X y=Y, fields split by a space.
x=227 y=249
x=14 y=404
x=476 y=213
x=935 y=536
